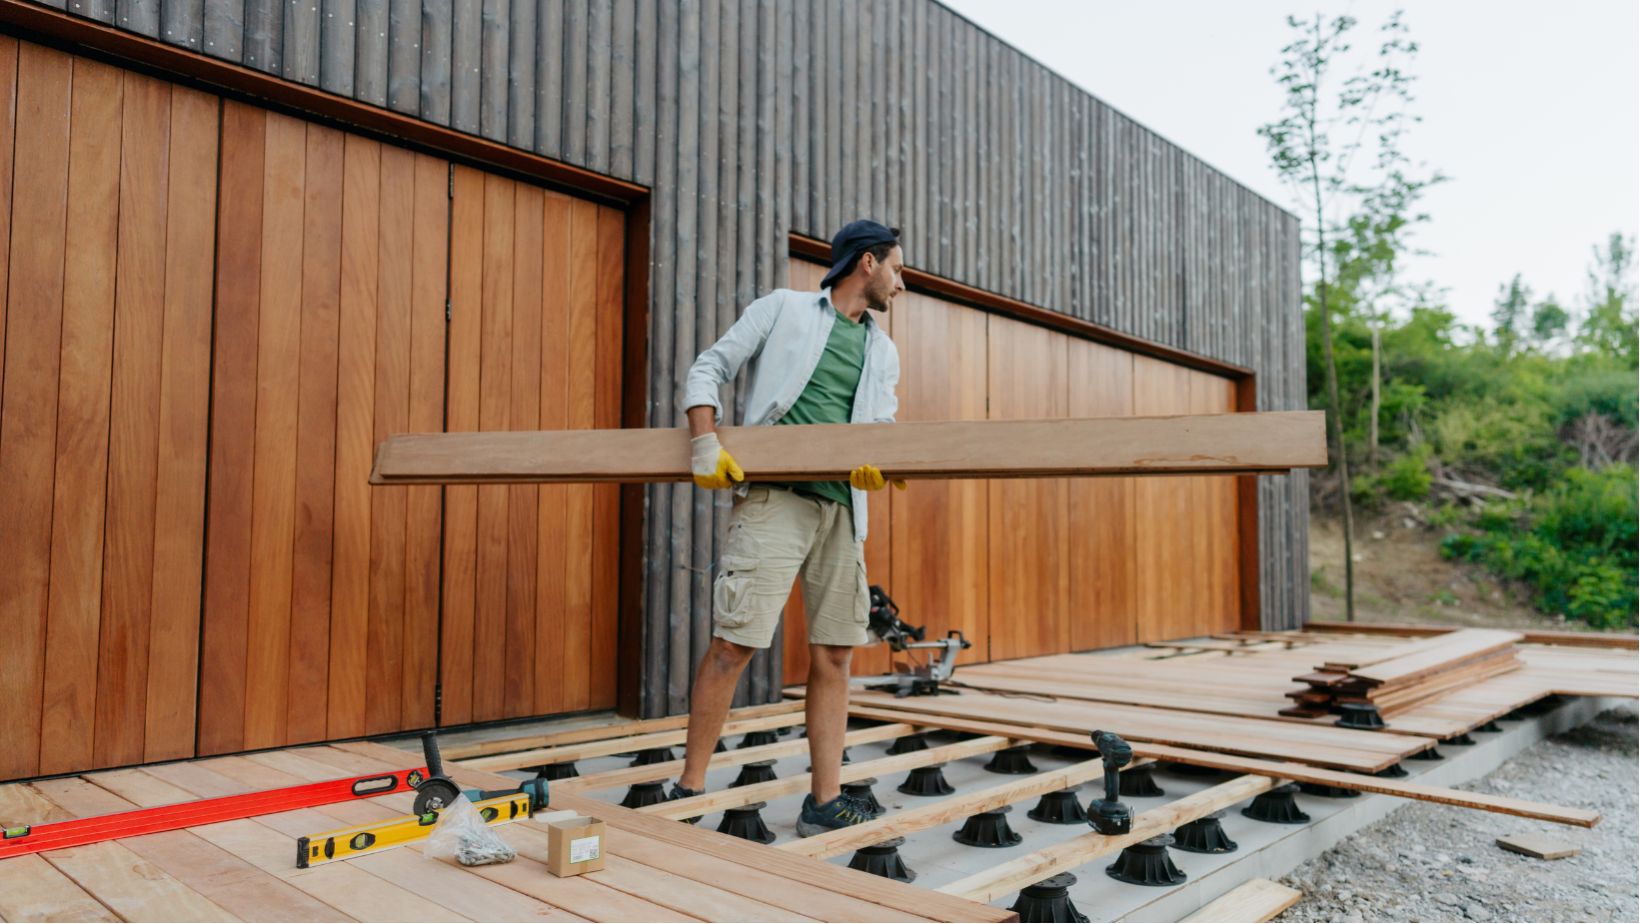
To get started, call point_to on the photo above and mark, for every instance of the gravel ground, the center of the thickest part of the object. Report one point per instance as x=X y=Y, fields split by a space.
x=1435 y=863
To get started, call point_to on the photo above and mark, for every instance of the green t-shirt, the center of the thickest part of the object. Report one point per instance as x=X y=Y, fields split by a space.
x=829 y=396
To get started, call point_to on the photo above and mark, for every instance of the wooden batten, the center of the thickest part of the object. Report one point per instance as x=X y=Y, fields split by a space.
x=1206 y=444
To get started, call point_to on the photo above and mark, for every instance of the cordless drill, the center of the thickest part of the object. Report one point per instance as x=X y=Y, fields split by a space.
x=1109 y=816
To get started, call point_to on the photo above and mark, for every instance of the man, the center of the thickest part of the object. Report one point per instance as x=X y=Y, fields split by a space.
x=812 y=358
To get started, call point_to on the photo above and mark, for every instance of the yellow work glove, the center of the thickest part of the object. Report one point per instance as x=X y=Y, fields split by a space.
x=714 y=468
x=870 y=478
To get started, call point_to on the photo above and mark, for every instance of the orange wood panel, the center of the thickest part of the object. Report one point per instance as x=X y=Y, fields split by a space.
x=307 y=707
x=179 y=495
x=133 y=440
x=229 y=490
x=8 y=147
x=1100 y=546
x=525 y=414
x=552 y=506
x=606 y=499
x=384 y=700
x=462 y=413
x=430 y=247
x=1221 y=612
x=28 y=417
x=355 y=438
x=273 y=499
x=581 y=363
x=494 y=409
x=1029 y=573
x=941 y=537
x=1165 y=515
x=75 y=609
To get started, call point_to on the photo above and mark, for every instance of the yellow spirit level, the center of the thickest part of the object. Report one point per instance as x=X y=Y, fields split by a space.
x=346 y=843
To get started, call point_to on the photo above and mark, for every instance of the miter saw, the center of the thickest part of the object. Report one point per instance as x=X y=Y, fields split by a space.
x=923 y=678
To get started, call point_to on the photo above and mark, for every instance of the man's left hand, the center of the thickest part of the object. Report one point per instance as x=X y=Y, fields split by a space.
x=870 y=478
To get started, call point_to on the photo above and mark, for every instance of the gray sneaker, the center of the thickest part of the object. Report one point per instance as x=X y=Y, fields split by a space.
x=841 y=812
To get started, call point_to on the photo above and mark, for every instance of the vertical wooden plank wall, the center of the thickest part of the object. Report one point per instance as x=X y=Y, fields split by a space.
x=1064 y=202
x=321 y=616
x=103 y=401
x=535 y=342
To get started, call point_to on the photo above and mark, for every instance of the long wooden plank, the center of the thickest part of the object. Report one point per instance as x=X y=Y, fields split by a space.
x=1325 y=746
x=28 y=417
x=1253 y=900
x=733 y=758
x=185 y=378
x=773 y=789
x=869 y=897
x=998 y=881
x=1290 y=770
x=616 y=729
x=231 y=487
x=133 y=438
x=1273 y=442
x=1535 y=637
x=308 y=713
x=82 y=421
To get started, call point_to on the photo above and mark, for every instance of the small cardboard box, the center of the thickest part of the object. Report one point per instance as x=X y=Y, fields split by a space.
x=575 y=845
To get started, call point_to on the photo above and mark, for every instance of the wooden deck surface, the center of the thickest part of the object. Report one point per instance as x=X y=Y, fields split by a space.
x=657 y=870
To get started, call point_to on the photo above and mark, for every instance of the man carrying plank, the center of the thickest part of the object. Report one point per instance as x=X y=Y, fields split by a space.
x=811 y=358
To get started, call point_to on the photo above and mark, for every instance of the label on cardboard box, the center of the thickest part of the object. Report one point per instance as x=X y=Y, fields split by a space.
x=582 y=849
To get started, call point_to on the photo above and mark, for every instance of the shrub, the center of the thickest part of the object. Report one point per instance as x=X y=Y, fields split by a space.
x=1574 y=545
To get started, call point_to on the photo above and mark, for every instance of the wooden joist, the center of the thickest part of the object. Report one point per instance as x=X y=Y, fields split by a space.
x=647 y=773
x=1004 y=879
x=605 y=730
x=1270 y=442
x=774 y=789
x=832 y=843
x=605 y=747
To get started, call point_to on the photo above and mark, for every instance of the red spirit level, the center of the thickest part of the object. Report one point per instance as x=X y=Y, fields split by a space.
x=51 y=836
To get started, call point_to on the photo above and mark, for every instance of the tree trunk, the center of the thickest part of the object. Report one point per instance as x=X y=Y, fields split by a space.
x=1334 y=409
x=1372 y=422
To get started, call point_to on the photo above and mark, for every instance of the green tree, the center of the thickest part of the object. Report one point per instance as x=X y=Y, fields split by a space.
x=1549 y=322
x=1314 y=146
x=1610 y=323
x=1510 y=311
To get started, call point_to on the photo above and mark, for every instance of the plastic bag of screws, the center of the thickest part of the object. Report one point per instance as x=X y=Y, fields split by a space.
x=462 y=835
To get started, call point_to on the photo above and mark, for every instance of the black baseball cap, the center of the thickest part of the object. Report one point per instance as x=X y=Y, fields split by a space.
x=854 y=239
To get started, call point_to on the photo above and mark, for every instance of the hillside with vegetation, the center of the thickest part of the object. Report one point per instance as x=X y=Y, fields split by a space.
x=1514 y=441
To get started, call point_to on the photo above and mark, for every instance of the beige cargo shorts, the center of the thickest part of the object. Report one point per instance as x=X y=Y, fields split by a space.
x=775 y=536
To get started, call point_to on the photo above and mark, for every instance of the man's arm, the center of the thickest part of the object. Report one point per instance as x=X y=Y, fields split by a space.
x=723 y=360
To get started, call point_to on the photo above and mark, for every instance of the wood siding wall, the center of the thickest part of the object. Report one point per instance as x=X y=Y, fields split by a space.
x=212 y=314
x=754 y=118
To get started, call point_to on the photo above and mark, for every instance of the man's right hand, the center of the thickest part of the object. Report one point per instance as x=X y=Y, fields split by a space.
x=714 y=468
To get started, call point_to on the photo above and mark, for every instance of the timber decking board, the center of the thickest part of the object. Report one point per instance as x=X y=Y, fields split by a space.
x=1274 y=442
x=1333 y=747
x=887 y=899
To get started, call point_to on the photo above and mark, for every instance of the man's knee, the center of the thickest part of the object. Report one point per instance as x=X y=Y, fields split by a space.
x=830 y=657
x=728 y=656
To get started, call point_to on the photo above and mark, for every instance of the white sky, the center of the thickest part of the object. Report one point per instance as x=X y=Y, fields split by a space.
x=1532 y=108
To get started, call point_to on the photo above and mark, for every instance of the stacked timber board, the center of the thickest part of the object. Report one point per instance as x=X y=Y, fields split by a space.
x=1407 y=675
x=1272 y=442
